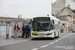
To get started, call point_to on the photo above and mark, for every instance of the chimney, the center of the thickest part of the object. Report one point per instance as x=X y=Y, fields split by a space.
x=68 y=6
x=48 y=15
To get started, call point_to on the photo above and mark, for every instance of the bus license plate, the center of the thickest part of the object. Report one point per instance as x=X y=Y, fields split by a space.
x=41 y=36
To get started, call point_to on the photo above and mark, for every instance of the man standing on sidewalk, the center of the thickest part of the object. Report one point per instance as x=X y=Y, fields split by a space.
x=30 y=29
x=27 y=31
x=23 y=30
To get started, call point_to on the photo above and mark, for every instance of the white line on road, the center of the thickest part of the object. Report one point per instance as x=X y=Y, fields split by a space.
x=44 y=46
x=35 y=49
x=54 y=41
x=59 y=39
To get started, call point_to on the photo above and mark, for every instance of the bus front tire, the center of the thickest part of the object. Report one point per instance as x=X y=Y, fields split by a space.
x=57 y=37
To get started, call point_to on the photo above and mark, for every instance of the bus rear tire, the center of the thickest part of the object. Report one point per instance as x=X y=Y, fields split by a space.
x=57 y=37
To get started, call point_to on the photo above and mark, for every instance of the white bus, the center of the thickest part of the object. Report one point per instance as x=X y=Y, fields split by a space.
x=45 y=27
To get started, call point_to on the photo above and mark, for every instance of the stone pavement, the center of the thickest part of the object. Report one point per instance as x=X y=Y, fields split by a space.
x=4 y=41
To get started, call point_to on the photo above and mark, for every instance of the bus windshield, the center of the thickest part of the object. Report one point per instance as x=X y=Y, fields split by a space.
x=38 y=26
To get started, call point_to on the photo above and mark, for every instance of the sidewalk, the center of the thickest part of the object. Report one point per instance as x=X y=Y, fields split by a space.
x=4 y=41
x=67 y=32
x=5 y=36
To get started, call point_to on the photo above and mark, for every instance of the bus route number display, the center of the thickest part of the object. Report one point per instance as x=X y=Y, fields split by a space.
x=42 y=19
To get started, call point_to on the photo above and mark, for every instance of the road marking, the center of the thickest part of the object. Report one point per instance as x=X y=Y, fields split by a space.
x=29 y=40
x=44 y=46
x=35 y=49
x=65 y=36
x=14 y=43
x=59 y=39
x=54 y=41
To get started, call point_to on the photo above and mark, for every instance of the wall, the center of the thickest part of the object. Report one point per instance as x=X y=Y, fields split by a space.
x=66 y=24
x=57 y=6
x=73 y=19
x=3 y=30
x=60 y=4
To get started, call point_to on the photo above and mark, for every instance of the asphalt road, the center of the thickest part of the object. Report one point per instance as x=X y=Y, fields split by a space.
x=66 y=41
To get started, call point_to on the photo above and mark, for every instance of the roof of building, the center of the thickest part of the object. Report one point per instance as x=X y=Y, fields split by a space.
x=72 y=11
x=8 y=17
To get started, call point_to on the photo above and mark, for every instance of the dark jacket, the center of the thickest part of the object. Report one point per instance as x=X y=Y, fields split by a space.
x=27 y=29
x=23 y=28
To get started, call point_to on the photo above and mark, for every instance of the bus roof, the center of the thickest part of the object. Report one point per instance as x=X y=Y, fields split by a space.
x=54 y=18
x=51 y=17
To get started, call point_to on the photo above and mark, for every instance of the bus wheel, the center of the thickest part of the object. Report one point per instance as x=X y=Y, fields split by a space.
x=33 y=39
x=57 y=36
x=36 y=38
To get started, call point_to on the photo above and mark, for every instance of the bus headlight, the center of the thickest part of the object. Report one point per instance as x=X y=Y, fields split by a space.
x=52 y=32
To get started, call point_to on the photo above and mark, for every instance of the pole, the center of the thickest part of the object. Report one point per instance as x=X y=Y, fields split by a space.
x=7 y=31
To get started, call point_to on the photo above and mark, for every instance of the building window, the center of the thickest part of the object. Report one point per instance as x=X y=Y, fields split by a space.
x=1 y=21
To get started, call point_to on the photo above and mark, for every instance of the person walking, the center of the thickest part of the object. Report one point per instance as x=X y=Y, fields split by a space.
x=23 y=30
x=27 y=31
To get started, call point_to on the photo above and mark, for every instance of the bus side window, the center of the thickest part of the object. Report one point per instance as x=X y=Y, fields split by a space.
x=51 y=25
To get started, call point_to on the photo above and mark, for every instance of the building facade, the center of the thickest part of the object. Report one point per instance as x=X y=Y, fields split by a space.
x=5 y=20
x=65 y=11
x=60 y=4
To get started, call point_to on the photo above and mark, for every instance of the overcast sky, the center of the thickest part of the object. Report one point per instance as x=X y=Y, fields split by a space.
x=26 y=8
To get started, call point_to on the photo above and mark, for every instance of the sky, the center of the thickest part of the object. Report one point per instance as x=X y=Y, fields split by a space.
x=26 y=8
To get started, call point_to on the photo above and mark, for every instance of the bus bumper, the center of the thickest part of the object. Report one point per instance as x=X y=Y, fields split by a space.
x=47 y=36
